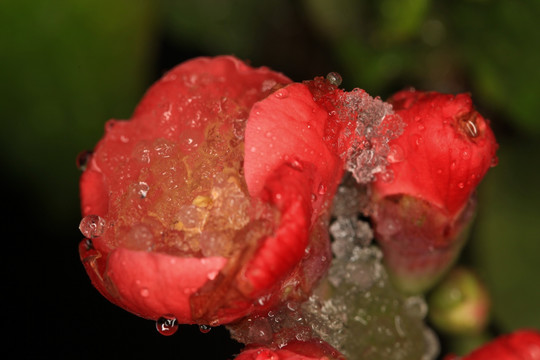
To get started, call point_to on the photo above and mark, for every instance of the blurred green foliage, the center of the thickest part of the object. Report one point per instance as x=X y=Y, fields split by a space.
x=68 y=66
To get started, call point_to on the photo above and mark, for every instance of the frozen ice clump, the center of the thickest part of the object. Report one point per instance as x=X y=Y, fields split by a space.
x=376 y=125
x=274 y=329
x=360 y=313
x=347 y=230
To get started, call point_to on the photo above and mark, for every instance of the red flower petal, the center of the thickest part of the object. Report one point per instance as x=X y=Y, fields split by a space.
x=520 y=345
x=290 y=160
x=444 y=152
x=296 y=350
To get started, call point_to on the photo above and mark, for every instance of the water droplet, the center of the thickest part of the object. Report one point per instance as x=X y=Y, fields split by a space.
x=145 y=292
x=322 y=189
x=421 y=127
x=494 y=161
x=92 y=226
x=466 y=154
x=296 y=165
x=282 y=94
x=88 y=245
x=166 y=325
x=461 y=185
x=416 y=306
x=212 y=275
x=334 y=78
x=142 y=189
x=387 y=176
x=253 y=149
x=83 y=159
x=419 y=140
x=205 y=329
x=395 y=154
x=292 y=306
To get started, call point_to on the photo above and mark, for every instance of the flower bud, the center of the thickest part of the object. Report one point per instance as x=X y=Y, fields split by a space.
x=422 y=213
x=460 y=304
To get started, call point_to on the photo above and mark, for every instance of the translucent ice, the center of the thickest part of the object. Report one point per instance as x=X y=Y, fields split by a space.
x=376 y=125
x=365 y=316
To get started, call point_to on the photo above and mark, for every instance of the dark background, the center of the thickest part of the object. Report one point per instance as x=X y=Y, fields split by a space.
x=68 y=66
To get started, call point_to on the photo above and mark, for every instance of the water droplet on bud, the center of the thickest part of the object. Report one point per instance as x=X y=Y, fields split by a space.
x=322 y=189
x=334 y=78
x=92 y=226
x=205 y=329
x=83 y=159
x=166 y=325
x=461 y=185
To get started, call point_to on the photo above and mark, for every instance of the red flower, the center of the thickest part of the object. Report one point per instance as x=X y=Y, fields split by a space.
x=183 y=223
x=296 y=350
x=436 y=164
x=520 y=345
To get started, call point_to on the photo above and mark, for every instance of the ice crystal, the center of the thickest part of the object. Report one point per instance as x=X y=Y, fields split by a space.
x=376 y=126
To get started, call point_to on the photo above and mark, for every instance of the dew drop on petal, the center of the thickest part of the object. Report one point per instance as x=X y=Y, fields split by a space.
x=212 y=275
x=83 y=159
x=461 y=185
x=296 y=165
x=167 y=325
x=395 y=154
x=322 y=189
x=419 y=140
x=387 y=176
x=282 y=94
x=334 y=78
x=92 y=226
x=88 y=245
x=144 y=292
x=142 y=189
x=205 y=329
